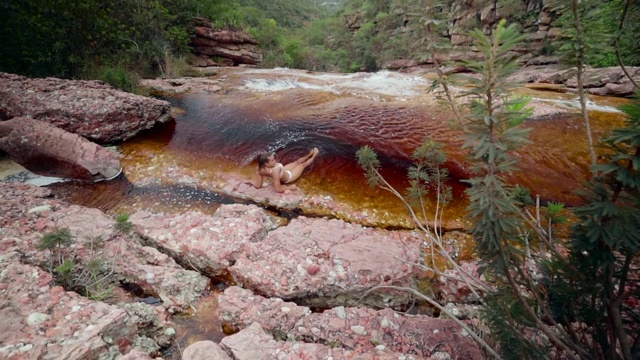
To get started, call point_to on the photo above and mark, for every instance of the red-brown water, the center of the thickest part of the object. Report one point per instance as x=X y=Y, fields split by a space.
x=290 y=112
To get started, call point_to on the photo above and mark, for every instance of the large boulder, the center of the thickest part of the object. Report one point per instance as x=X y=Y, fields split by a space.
x=47 y=150
x=322 y=263
x=91 y=109
x=237 y=46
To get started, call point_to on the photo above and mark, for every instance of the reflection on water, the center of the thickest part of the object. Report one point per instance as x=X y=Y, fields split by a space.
x=290 y=112
x=203 y=324
x=216 y=135
x=120 y=196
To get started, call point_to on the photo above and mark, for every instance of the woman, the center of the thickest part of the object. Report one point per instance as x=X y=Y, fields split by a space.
x=281 y=174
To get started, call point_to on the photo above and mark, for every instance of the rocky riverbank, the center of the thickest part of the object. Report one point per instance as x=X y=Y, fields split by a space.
x=170 y=259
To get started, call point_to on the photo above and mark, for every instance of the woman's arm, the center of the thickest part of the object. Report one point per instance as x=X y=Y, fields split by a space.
x=257 y=180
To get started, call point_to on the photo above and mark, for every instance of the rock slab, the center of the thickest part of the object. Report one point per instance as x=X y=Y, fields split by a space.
x=91 y=109
x=47 y=150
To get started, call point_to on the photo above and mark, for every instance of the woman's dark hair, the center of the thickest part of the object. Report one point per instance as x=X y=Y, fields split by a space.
x=263 y=159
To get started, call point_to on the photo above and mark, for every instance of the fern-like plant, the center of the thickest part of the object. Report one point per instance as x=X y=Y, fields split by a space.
x=57 y=242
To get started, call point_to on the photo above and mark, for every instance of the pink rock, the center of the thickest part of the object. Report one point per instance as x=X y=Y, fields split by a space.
x=417 y=335
x=90 y=109
x=372 y=256
x=313 y=269
x=204 y=350
x=40 y=225
x=47 y=150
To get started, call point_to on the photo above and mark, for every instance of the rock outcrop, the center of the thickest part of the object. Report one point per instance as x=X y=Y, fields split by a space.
x=254 y=343
x=41 y=318
x=321 y=262
x=41 y=321
x=90 y=109
x=610 y=81
x=236 y=46
x=210 y=244
x=318 y=262
x=47 y=150
x=324 y=263
x=360 y=329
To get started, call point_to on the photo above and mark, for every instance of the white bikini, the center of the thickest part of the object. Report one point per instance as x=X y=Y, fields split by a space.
x=288 y=172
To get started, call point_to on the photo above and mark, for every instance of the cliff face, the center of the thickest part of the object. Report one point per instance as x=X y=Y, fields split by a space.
x=235 y=47
x=535 y=16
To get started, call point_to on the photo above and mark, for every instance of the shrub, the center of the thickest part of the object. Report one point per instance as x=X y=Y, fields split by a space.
x=119 y=77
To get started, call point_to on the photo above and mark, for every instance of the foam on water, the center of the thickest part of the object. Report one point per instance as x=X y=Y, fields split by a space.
x=575 y=104
x=368 y=85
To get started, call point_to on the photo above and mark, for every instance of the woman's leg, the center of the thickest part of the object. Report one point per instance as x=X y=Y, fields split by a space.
x=297 y=167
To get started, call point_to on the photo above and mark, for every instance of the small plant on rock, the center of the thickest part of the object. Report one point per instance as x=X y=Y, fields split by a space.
x=123 y=224
x=90 y=277
x=58 y=243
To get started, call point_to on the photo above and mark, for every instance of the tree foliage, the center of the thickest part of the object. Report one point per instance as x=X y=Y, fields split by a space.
x=103 y=39
x=600 y=283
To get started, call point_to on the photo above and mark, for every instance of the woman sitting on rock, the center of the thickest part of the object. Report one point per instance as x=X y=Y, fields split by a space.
x=281 y=174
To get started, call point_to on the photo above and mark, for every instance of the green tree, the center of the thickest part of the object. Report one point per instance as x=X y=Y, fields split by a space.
x=597 y=285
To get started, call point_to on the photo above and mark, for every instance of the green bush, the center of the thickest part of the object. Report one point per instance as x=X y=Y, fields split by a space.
x=119 y=77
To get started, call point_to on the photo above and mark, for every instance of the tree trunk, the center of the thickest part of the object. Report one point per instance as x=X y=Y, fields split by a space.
x=581 y=93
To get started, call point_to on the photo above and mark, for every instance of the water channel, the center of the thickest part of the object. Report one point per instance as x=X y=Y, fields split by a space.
x=291 y=111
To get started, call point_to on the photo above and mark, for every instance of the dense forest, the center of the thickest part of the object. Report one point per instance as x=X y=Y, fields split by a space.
x=119 y=40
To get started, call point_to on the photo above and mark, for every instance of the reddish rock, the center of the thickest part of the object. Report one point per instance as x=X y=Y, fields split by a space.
x=214 y=243
x=179 y=86
x=254 y=343
x=90 y=109
x=359 y=329
x=205 y=350
x=265 y=195
x=624 y=89
x=237 y=46
x=313 y=269
x=95 y=237
x=43 y=328
x=47 y=150
x=374 y=257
